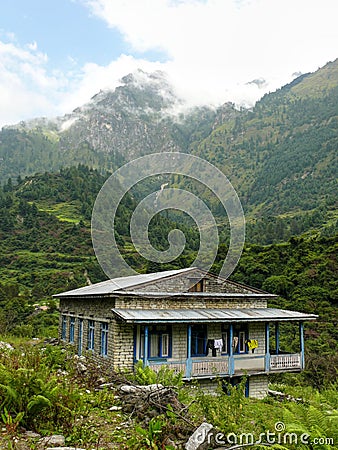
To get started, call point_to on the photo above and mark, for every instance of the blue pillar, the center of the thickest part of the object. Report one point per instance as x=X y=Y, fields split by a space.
x=189 y=360
x=301 y=341
x=145 y=350
x=277 y=337
x=267 y=347
x=231 y=351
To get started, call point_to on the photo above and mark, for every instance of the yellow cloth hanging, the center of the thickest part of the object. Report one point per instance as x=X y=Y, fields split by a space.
x=252 y=344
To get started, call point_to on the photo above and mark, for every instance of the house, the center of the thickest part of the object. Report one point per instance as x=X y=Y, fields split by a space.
x=191 y=321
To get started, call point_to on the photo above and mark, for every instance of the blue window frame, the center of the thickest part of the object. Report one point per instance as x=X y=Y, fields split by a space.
x=225 y=338
x=80 y=337
x=91 y=333
x=64 y=328
x=104 y=339
x=198 y=340
x=159 y=342
x=72 y=330
x=240 y=340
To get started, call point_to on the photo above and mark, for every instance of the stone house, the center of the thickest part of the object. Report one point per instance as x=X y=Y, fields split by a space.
x=209 y=329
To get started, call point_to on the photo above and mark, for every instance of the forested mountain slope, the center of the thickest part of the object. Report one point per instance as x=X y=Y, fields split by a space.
x=281 y=156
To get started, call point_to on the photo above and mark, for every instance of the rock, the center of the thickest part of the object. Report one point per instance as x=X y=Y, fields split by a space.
x=31 y=434
x=5 y=346
x=55 y=439
x=170 y=443
x=64 y=448
x=107 y=385
x=51 y=341
x=199 y=439
x=136 y=389
x=115 y=408
x=81 y=367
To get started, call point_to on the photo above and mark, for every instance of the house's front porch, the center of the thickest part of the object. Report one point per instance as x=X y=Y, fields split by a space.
x=248 y=341
x=235 y=366
x=225 y=366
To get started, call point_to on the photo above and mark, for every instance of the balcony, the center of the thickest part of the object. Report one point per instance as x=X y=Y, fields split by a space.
x=230 y=366
x=285 y=362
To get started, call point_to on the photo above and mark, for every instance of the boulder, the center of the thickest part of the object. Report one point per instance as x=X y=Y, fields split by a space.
x=199 y=439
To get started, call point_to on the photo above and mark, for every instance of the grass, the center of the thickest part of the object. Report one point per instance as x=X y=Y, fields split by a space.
x=64 y=211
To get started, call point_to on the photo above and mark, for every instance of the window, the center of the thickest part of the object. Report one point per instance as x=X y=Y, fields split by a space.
x=159 y=342
x=240 y=338
x=154 y=346
x=64 y=328
x=72 y=330
x=104 y=339
x=142 y=346
x=198 y=340
x=165 y=344
x=198 y=287
x=225 y=342
x=241 y=342
x=91 y=331
x=80 y=337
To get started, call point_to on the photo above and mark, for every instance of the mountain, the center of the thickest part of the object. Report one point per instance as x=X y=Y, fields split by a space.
x=280 y=155
x=139 y=117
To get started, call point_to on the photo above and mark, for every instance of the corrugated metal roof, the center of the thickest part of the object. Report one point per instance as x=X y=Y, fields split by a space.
x=210 y=315
x=116 y=284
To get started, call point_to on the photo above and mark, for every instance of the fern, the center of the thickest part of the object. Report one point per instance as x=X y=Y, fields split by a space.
x=37 y=404
x=9 y=395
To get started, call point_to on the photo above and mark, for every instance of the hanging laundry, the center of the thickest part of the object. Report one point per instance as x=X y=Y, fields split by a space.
x=252 y=344
x=235 y=343
x=210 y=346
x=218 y=344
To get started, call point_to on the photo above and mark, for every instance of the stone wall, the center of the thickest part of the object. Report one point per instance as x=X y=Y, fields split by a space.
x=257 y=331
x=177 y=283
x=258 y=386
x=123 y=339
x=182 y=283
x=213 y=284
x=188 y=302
x=98 y=308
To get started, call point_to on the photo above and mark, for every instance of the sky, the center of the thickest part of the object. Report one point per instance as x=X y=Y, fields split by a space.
x=56 y=54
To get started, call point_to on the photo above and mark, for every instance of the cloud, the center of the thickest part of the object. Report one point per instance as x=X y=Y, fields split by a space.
x=93 y=78
x=215 y=47
x=26 y=89
x=213 y=52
